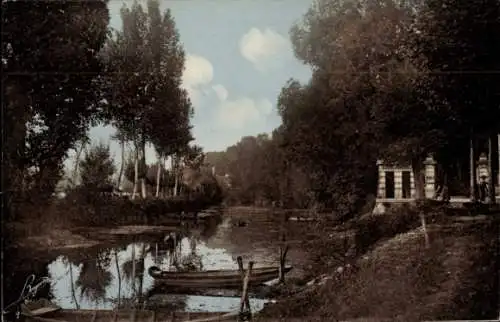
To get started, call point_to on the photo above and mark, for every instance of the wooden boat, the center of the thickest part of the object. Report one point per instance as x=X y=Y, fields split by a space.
x=213 y=278
x=45 y=311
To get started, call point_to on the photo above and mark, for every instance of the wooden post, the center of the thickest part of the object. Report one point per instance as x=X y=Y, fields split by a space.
x=283 y=251
x=242 y=273
x=245 y=301
x=175 y=248
x=424 y=229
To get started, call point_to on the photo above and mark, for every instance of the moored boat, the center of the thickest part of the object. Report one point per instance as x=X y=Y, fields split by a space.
x=45 y=311
x=213 y=278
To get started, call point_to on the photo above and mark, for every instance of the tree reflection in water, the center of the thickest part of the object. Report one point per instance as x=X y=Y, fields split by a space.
x=118 y=275
x=95 y=276
x=133 y=272
x=69 y=267
x=193 y=261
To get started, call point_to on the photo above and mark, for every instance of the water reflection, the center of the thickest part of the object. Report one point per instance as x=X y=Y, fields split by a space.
x=110 y=278
x=115 y=275
x=94 y=276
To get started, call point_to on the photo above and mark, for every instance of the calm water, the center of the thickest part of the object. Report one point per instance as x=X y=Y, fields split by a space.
x=103 y=277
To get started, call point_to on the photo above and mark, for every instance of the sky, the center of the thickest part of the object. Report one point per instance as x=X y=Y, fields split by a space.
x=238 y=57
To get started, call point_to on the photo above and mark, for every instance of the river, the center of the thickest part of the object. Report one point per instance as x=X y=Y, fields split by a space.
x=102 y=276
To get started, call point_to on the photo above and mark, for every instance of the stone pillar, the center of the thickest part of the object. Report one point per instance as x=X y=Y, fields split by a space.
x=381 y=179
x=482 y=168
x=412 y=184
x=398 y=184
x=430 y=177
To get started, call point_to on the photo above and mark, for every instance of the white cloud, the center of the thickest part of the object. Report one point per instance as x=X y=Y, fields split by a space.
x=228 y=113
x=236 y=114
x=263 y=48
x=221 y=91
x=198 y=73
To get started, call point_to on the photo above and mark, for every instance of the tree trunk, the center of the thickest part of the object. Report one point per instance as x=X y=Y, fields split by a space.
x=491 y=183
x=73 y=293
x=77 y=163
x=424 y=229
x=166 y=179
x=122 y=165
x=419 y=178
x=136 y=172
x=175 y=165
x=158 y=177
x=118 y=274
x=16 y=114
x=144 y=193
x=472 y=168
x=143 y=166
x=141 y=274
x=134 y=272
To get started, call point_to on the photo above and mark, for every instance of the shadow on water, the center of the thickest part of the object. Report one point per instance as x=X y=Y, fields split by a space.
x=114 y=274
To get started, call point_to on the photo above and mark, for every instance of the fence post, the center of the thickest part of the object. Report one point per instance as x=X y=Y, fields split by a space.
x=245 y=313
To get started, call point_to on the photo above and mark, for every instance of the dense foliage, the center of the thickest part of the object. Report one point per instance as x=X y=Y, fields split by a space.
x=66 y=71
x=391 y=79
x=51 y=73
x=97 y=167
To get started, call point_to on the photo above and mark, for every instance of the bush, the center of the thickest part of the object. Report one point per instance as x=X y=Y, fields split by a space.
x=371 y=228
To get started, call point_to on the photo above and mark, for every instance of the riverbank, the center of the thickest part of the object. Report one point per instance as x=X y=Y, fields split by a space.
x=44 y=222
x=394 y=276
x=374 y=266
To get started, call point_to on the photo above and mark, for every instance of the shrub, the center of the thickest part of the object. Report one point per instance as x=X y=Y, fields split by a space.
x=371 y=228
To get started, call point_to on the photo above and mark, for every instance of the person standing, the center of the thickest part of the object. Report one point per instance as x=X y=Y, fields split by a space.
x=483 y=189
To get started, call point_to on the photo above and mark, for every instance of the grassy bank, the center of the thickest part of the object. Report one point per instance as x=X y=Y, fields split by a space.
x=83 y=209
x=394 y=276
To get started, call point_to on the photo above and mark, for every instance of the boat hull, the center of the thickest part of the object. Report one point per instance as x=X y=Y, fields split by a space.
x=213 y=279
x=128 y=315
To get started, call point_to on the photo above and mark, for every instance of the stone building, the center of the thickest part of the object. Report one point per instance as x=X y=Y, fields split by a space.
x=396 y=182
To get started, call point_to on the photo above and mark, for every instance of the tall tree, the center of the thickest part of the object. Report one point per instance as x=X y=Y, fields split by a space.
x=50 y=72
x=458 y=42
x=363 y=88
x=97 y=168
x=122 y=139
x=146 y=101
